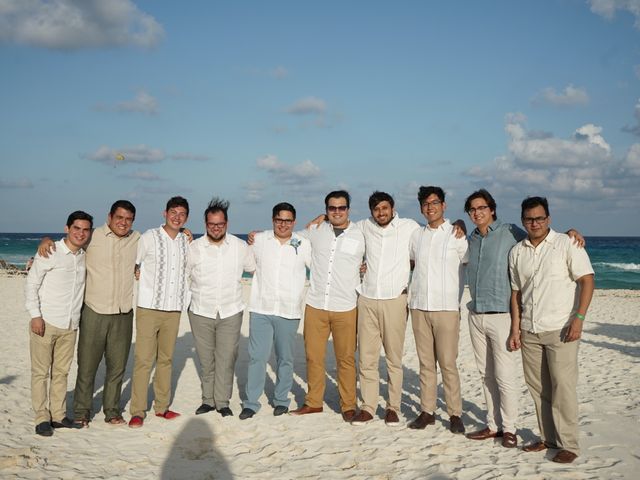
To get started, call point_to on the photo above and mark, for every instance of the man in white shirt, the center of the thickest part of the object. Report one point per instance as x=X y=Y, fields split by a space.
x=216 y=263
x=337 y=250
x=53 y=297
x=382 y=305
x=282 y=258
x=552 y=283
x=162 y=295
x=435 y=293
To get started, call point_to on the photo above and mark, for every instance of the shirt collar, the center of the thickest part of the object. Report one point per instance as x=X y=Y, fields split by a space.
x=495 y=225
x=548 y=239
x=107 y=232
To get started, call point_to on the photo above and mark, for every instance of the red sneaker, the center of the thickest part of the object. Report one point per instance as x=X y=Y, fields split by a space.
x=168 y=415
x=136 y=422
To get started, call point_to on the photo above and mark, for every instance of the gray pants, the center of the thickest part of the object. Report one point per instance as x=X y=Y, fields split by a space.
x=216 y=341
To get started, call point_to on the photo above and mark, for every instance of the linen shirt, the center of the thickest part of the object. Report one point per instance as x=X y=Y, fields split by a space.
x=215 y=273
x=488 y=267
x=387 y=257
x=163 y=268
x=110 y=271
x=55 y=287
x=546 y=278
x=281 y=273
x=436 y=284
x=335 y=267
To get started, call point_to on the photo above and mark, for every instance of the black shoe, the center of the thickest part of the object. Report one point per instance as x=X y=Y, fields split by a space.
x=225 y=412
x=204 y=408
x=455 y=424
x=44 y=429
x=246 y=413
x=422 y=421
x=280 y=410
x=64 y=423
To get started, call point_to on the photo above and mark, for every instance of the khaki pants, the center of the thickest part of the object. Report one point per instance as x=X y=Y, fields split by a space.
x=51 y=357
x=156 y=333
x=551 y=373
x=318 y=324
x=437 y=335
x=381 y=323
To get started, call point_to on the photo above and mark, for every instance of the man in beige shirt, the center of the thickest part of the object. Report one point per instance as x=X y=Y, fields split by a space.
x=551 y=289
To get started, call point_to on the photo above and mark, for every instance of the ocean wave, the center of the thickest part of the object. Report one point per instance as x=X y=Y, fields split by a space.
x=634 y=267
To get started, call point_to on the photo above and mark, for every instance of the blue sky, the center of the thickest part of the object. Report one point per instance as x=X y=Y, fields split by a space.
x=262 y=102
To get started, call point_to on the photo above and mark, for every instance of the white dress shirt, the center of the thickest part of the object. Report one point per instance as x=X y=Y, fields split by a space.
x=387 y=257
x=163 y=270
x=55 y=287
x=546 y=278
x=215 y=272
x=281 y=273
x=436 y=284
x=335 y=267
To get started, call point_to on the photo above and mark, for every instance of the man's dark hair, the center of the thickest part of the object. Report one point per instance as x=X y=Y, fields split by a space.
x=177 y=202
x=377 y=197
x=217 y=205
x=79 y=215
x=533 y=202
x=486 y=196
x=424 y=193
x=284 y=206
x=126 y=204
x=338 y=194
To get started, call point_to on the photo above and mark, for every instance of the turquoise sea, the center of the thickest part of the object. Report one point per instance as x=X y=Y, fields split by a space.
x=616 y=260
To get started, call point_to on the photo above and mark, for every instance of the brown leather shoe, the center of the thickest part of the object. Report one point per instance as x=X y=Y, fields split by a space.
x=391 y=418
x=306 y=409
x=422 y=421
x=349 y=415
x=535 y=447
x=483 y=434
x=509 y=440
x=360 y=419
x=455 y=424
x=564 y=456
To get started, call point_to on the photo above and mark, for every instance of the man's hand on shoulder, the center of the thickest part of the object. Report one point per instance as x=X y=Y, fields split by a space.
x=46 y=247
x=459 y=229
x=251 y=237
x=188 y=234
x=319 y=220
x=577 y=238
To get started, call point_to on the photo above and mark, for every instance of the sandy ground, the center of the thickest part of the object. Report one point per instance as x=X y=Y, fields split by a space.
x=322 y=445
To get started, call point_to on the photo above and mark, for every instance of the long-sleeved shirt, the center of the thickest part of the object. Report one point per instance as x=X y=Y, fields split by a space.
x=55 y=287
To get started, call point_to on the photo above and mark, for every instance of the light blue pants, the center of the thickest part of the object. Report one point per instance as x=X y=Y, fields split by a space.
x=265 y=331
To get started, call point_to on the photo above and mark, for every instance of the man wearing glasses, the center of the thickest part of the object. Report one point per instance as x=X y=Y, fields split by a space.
x=436 y=290
x=216 y=263
x=277 y=289
x=337 y=253
x=552 y=283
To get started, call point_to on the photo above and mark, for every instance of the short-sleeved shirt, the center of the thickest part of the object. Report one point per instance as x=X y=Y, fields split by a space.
x=546 y=277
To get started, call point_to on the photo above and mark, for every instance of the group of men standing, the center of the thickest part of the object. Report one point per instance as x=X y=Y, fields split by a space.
x=538 y=283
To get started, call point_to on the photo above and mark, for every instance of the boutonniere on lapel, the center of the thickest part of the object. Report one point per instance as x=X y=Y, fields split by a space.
x=295 y=243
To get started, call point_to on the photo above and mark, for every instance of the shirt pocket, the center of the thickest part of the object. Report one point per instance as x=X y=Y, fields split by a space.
x=349 y=246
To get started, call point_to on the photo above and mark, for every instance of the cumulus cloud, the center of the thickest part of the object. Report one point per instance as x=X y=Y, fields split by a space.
x=307 y=106
x=15 y=184
x=570 y=96
x=635 y=129
x=300 y=173
x=254 y=192
x=135 y=154
x=74 y=24
x=608 y=8
x=581 y=166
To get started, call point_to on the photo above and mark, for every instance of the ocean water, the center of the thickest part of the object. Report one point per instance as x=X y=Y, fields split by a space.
x=616 y=260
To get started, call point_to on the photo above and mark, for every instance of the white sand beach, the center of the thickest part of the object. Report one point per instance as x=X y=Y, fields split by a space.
x=322 y=445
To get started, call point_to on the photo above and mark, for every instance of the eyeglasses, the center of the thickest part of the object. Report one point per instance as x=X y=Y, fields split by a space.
x=283 y=221
x=532 y=220
x=435 y=203
x=338 y=208
x=216 y=225
x=479 y=209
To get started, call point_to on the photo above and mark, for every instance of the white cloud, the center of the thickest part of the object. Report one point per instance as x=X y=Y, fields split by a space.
x=570 y=96
x=145 y=175
x=16 y=184
x=135 y=154
x=77 y=24
x=193 y=157
x=142 y=103
x=279 y=72
x=635 y=129
x=254 y=192
x=607 y=8
x=300 y=173
x=308 y=106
